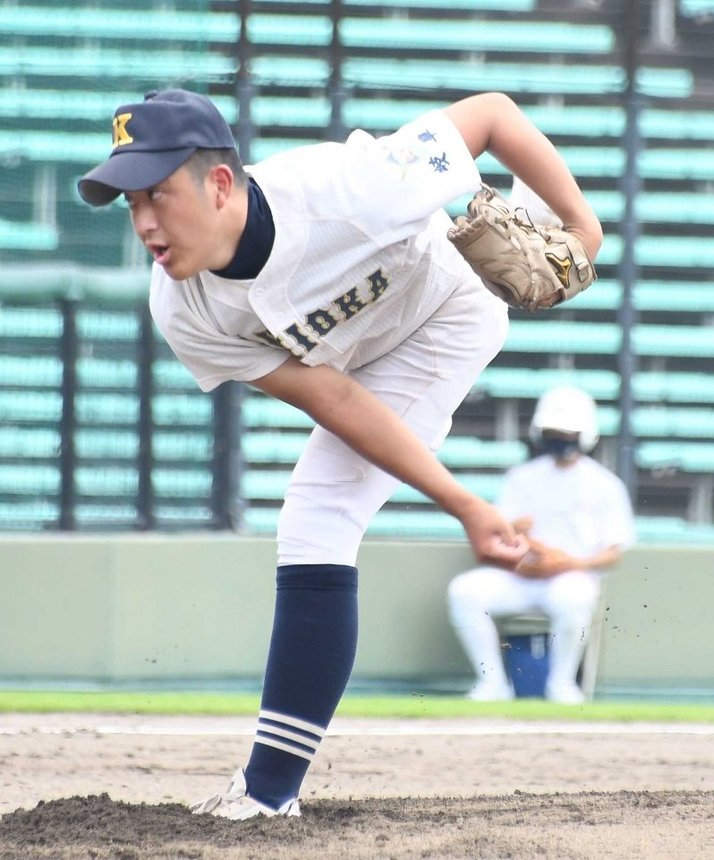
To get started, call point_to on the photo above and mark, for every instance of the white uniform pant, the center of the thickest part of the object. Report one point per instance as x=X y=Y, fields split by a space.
x=479 y=596
x=334 y=492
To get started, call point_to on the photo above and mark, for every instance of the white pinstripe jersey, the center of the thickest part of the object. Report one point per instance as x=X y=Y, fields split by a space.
x=360 y=258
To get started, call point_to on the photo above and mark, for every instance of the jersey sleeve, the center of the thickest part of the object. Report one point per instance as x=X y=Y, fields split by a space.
x=403 y=178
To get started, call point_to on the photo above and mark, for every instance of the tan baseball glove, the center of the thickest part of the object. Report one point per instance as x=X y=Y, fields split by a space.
x=542 y=561
x=529 y=266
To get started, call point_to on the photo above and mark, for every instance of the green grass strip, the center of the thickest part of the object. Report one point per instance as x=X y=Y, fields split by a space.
x=378 y=707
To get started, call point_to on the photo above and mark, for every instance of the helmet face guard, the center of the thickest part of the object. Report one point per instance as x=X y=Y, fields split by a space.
x=568 y=410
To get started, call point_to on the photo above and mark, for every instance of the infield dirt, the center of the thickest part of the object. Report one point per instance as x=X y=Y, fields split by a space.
x=90 y=786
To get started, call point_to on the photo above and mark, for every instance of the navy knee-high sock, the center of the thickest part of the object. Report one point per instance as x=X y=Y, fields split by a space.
x=312 y=651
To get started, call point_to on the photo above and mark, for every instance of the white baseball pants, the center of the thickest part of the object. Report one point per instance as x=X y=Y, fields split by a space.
x=478 y=596
x=334 y=493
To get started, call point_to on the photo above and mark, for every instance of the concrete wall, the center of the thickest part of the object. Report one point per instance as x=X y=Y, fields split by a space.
x=199 y=607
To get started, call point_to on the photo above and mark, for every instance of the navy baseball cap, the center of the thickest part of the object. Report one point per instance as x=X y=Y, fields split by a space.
x=152 y=139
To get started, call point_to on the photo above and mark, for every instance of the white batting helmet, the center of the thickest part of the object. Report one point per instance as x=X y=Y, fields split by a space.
x=569 y=410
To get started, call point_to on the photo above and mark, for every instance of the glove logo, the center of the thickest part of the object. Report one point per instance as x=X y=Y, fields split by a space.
x=121 y=136
x=561 y=268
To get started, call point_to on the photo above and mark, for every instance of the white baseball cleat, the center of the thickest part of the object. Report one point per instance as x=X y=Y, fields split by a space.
x=490 y=691
x=236 y=805
x=564 y=693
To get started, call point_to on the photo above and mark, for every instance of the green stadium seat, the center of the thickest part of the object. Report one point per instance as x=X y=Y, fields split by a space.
x=604 y=338
x=272 y=446
x=183 y=516
x=665 y=83
x=103 y=481
x=673 y=530
x=259 y=411
x=563 y=336
x=30 y=371
x=684 y=456
x=107 y=325
x=673 y=296
x=20 y=103
x=526 y=382
x=676 y=252
x=677 y=124
x=543 y=78
x=107 y=373
x=103 y=515
x=676 y=207
x=179 y=483
x=584 y=161
x=386 y=114
x=192 y=447
x=481 y=35
x=94 y=63
x=28 y=515
x=30 y=322
x=295 y=112
x=677 y=163
x=468 y=452
x=290 y=29
x=44 y=22
x=419 y=524
x=29 y=443
x=674 y=387
x=30 y=407
x=674 y=340
x=54 y=146
x=28 y=236
x=105 y=408
x=279 y=70
x=25 y=480
x=696 y=7
x=466 y=5
x=184 y=410
x=106 y=444
x=666 y=421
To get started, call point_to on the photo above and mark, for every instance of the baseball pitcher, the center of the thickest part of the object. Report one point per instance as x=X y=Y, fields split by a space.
x=325 y=276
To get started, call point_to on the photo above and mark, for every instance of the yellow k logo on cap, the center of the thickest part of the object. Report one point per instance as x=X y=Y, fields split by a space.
x=120 y=134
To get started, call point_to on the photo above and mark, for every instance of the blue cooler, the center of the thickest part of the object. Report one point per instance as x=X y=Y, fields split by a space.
x=527 y=662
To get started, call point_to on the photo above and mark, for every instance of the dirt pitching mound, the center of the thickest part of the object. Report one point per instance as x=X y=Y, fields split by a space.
x=521 y=825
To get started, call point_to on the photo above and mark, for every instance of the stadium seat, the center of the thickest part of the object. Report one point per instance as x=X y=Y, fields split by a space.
x=564 y=336
x=106 y=480
x=260 y=411
x=183 y=445
x=482 y=35
x=27 y=236
x=467 y=5
x=310 y=31
x=525 y=382
x=104 y=444
x=184 y=410
x=143 y=67
x=674 y=387
x=29 y=443
x=183 y=483
x=685 y=456
x=109 y=25
x=543 y=78
x=106 y=408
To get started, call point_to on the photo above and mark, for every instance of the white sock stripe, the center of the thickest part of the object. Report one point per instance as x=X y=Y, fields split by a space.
x=291 y=736
x=271 y=742
x=292 y=722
